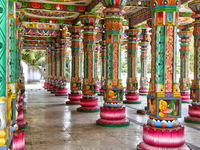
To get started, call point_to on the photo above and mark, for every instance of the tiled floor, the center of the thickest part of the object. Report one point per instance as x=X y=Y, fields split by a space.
x=56 y=126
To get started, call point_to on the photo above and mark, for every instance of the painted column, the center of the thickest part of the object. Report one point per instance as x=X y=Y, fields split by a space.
x=49 y=66
x=89 y=101
x=76 y=45
x=4 y=50
x=185 y=35
x=194 y=111
x=143 y=78
x=103 y=63
x=82 y=62
x=96 y=68
x=163 y=130
x=56 y=68
x=52 y=61
x=46 y=70
x=113 y=113
x=132 y=96
x=62 y=91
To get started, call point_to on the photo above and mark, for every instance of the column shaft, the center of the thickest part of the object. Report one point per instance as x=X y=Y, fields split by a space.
x=76 y=87
x=113 y=112
x=132 y=95
x=89 y=100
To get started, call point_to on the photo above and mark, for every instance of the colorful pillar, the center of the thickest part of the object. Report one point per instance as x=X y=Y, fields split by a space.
x=89 y=101
x=56 y=68
x=46 y=70
x=163 y=130
x=49 y=66
x=194 y=111
x=143 y=78
x=62 y=91
x=52 y=61
x=113 y=113
x=103 y=63
x=5 y=134
x=76 y=45
x=185 y=34
x=132 y=96
x=96 y=68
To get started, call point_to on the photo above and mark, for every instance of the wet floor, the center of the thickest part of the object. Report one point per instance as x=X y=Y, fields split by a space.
x=53 y=125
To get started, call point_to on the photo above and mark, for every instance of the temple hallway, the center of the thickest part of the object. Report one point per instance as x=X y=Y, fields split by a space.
x=56 y=126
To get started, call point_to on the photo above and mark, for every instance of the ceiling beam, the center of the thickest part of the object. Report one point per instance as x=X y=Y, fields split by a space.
x=51 y=7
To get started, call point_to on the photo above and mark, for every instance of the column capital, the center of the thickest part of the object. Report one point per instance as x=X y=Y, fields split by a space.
x=114 y=3
x=165 y=5
x=194 y=6
x=75 y=29
x=90 y=19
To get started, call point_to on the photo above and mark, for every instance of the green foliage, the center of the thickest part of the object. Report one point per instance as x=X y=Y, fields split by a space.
x=35 y=58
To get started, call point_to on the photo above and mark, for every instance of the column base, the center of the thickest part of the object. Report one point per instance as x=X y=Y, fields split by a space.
x=113 y=123
x=195 y=120
x=19 y=140
x=22 y=125
x=132 y=99
x=62 y=92
x=74 y=99
x=185 y=97
x=54 y=91
x=88 y=105
x=50 y=87
x=143 y=92
x=144 y=146
x=24 y=103
x=20 y=103
x=113 y=117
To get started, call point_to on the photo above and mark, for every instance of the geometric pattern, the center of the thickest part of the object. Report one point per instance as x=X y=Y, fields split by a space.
x=2 y=47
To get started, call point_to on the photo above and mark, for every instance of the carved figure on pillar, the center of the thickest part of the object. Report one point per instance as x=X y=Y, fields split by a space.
x=132 y=95
x=76 y=87
x=62 y=90
x=143 y=78
x=185 y=35
x=113 y=113
x=194 y=108
x=163 y=130
x=89 y=101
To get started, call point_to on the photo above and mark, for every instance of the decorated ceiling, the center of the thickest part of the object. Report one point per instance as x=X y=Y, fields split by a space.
x=42 y=18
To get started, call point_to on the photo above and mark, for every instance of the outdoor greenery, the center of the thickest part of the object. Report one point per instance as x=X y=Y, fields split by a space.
x=33 y=57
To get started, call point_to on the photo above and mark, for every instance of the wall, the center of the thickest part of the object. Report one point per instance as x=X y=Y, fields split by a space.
x=31 y=73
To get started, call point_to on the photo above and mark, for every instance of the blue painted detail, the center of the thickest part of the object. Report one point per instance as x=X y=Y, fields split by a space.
x=159 y=123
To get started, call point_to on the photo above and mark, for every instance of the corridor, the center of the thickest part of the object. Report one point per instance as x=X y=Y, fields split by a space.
x=53 y=125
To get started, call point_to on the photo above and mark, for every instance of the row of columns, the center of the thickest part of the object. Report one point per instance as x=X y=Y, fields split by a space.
x=164 y=96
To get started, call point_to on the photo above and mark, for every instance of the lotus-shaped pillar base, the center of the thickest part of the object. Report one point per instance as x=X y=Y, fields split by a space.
x=132 y=99
x=88 y=105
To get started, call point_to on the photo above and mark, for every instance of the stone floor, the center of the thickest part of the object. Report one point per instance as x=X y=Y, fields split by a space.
x=56 y=126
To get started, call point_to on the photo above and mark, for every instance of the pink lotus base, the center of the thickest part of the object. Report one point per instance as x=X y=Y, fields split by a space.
x=194 y=111
x=21 y=97
x=144 y=146
x=185 y=98
x=164 y=138
x=20 y=115
x=97 y=89
x=45 y=84
x=50 y=87
x=19 y=140
x=113 y=114
x=88 y=105
x=20 y=103
x=55 y=88
x=143 y=91
x=191 y=119
x=62 y=92
x=74 y=98
x=22 y=124
x=132 y=98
